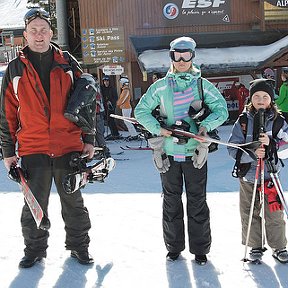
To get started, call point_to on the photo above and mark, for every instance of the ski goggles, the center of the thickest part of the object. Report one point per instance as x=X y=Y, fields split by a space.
x=184 y=55
x=34 y=13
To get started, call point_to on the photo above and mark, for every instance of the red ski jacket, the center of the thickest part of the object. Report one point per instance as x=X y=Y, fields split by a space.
x=28 y=120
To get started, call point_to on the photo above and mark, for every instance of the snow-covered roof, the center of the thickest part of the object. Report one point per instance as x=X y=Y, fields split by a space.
x=12 y=13
x=209 y=58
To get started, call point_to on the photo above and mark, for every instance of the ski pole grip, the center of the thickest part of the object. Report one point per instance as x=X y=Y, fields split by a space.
x=261 y=112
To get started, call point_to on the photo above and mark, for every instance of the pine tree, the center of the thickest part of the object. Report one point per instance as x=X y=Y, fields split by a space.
x=38 y=3
x=47 y=5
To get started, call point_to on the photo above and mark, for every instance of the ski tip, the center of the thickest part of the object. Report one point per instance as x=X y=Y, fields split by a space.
x=45 y=223
x=254 y=261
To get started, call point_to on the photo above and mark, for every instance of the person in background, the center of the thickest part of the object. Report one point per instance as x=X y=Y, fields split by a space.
x=282 y=101
x=110 y=97
x=261 y=97
x=125 y=105
x=182 y=161
x=100 y=115
x=34 y=94
x=269 y=74
x=242 y=95
x=156 y=76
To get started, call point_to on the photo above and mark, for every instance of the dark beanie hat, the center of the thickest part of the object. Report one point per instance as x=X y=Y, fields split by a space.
x=262 y=84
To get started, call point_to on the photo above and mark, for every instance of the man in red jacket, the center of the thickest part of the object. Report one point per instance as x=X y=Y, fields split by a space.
x=34 y=95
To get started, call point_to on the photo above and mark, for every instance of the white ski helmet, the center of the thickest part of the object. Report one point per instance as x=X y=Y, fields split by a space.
x=182 y=44
x=124 y=80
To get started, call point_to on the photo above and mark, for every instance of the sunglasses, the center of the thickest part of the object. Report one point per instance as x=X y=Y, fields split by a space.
x=34 y=13
x=183 y=55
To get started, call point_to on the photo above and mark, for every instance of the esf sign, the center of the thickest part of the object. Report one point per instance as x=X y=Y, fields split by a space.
x=188 y=12
x=113 y=70
x=189 y=4
x=232 y=105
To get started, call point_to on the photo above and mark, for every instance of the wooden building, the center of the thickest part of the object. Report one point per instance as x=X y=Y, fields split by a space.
x=114 y=34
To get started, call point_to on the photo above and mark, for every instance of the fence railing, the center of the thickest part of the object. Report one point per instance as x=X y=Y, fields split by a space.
x=7 y=53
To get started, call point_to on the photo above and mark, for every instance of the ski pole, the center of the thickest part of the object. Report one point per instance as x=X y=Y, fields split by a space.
x=245 y=259
x=276 y=181
x=279 y=190
x=261 y=116
x=262 y=203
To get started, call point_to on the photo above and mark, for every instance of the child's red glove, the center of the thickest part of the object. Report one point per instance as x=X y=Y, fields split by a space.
x=272 y=196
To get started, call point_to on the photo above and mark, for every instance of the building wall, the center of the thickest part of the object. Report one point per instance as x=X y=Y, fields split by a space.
x=143 y=17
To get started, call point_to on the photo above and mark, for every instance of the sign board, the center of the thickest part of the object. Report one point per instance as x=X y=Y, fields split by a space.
x=113 y=70
x=232 y=105
x=189 y=12
x=103 y=45
x=278 y=3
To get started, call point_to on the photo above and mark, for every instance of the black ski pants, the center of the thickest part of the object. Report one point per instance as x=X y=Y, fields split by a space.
x=41 y=170
x=198 y=214
x=112 y=124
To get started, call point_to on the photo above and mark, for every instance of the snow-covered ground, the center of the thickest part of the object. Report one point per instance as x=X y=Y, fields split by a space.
x=126 y=234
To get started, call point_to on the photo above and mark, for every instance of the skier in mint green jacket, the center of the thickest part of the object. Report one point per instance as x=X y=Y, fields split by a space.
x=194 y=104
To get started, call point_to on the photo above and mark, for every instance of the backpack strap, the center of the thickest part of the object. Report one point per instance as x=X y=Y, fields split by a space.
x=277 y=124
x=243 y=120
x=271 y=152
x=200 y=88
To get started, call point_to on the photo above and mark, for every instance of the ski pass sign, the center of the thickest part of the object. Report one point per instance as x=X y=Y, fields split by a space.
x=113 y=70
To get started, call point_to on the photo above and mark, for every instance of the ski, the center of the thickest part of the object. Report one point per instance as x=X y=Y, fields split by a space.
x=16 y=174
x=127 y=119
x=97 y=172
x=135 y=148
x=248 y=148
x=117 y=153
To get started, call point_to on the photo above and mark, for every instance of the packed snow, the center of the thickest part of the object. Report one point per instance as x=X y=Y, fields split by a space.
x=126 y=234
